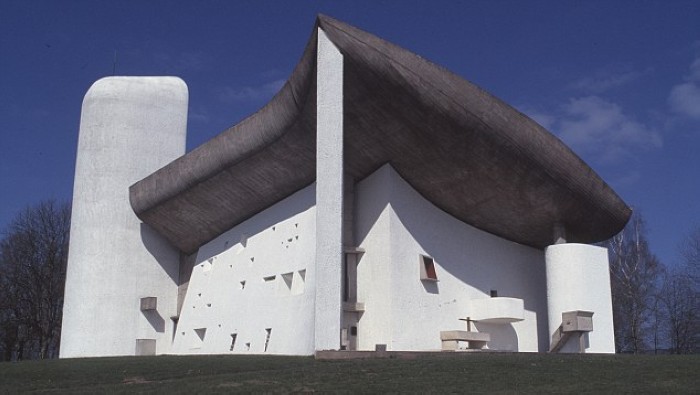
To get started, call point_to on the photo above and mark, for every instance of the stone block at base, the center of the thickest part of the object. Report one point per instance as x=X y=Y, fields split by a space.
x=476 y=340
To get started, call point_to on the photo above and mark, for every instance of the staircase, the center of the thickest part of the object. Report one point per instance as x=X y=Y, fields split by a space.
x=573 y=324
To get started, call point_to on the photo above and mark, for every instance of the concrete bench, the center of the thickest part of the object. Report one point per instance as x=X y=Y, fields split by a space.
x=475 y=340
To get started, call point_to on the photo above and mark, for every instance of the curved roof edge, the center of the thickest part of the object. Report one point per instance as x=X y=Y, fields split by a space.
x=463 y=149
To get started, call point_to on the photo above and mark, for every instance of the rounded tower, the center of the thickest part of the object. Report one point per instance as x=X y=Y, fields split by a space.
x=121 y=280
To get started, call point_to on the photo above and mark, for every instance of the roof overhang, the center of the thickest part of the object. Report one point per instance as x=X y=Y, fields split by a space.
x=463 y=149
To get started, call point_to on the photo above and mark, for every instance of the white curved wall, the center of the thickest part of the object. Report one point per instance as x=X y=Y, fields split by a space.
x=129 y=127
x=578 y=278
x=395 y=225
x=132 y=126
x=279 y=242
x=498 y=310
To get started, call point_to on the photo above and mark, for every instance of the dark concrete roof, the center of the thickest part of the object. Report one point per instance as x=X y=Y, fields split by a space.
x=463 y=149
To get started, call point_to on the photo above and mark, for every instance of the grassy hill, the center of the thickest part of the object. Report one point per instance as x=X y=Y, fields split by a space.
x=472 y=373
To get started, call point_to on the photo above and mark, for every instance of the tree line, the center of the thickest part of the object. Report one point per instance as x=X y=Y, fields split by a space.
x=33 y=256
x=655 y=307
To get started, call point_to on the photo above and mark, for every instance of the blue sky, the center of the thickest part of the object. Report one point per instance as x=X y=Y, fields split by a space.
x=619 y=81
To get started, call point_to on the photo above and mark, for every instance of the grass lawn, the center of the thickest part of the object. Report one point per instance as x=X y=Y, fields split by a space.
x=473 y=373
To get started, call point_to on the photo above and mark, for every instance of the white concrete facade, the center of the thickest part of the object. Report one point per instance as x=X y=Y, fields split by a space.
x=329 y=194
x=257 y=277
x=578 y=278
x=395 y=226
x=339 y=264
x=253 y=279
x=130 y=127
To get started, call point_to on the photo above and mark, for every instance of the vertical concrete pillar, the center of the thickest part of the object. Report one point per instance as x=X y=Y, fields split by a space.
x=129 y=127
x=578 y=278
x=559 y=233
x=329 y=194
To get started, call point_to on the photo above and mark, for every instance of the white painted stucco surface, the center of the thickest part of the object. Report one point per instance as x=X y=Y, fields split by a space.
x=290 y=256
x=129 y=127
x=578 y=278
x=279 y=241
x=329 y=194
x=394 y=226
x=497 y=310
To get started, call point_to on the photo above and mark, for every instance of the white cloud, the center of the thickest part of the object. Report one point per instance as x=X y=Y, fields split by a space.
x=626 y=179
x=252 y=93
x=605 y=80
x=593 y=124
x=600 y=129
x=547 y=121
x=695 y=70
x=684 y=98
x=200 y=114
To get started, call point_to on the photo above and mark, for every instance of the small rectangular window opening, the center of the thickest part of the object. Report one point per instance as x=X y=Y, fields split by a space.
x=427 y=268
x=233 y=340
x=345 y=285
x=494 y=293
x=267 y=338
x=269 y=279
x=198 y=340
x=298 y=282
x=344 y=339
x=288 y=279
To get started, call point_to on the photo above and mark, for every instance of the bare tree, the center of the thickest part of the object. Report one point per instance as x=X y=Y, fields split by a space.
x=658 y=323
x=690 y=251
x=9 y=320
x=680 y=301
x=634 y=271
x=33 y=257
x=679 y=296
